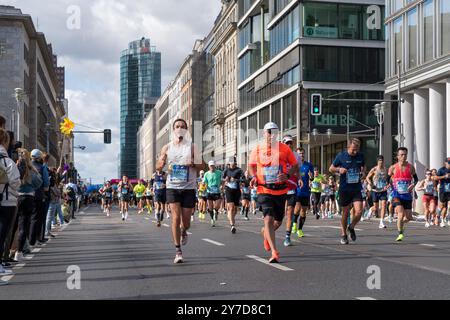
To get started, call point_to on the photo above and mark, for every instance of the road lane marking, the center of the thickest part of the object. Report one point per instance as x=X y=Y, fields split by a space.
x=190 y=234
x=147 y=218
x=19 y=266
x=214 y=242
x=274 y=265
x=427 y=245
x=29 y=257
x=8 y=278
x=36 y=250
x=331 y=227
x=166 y=225
x=365 y=298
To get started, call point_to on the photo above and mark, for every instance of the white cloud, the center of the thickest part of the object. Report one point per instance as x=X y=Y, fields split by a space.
x=91 y=57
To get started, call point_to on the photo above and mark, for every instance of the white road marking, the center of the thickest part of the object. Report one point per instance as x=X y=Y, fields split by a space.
x=8 y=278
x=189 y=233
x=427 y=245
x=166 y=225
x=36 y=250
x=214 y=242
x=19 y=266
x=29 y=257
x=147 y=218
x=331 y=227
x=274 y=265
x=364 y=298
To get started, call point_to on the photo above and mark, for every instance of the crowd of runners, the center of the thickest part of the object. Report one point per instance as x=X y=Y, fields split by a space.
x=281 y=185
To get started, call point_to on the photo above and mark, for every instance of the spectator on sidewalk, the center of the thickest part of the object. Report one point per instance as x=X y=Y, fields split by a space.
x=40 y=212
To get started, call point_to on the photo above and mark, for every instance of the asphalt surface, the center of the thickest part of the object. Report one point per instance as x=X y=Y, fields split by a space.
x=134 y=260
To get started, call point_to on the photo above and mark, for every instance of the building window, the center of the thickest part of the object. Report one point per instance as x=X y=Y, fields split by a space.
x=397 y=5
x=412 y=37
x=264 y=117
x=285 y=32
x=428 y=16
x=398 y=36
x=276 y=112
x=445 y=26
x=349 y=22
x=320 y=20
x=290 y=112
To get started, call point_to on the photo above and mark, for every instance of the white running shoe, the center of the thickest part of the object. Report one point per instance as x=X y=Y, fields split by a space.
x=18 y=256
x=443 y=225
x=192 y=218
x=427 y=224
x=382 y=225
x=123 y=217
x=178 y=258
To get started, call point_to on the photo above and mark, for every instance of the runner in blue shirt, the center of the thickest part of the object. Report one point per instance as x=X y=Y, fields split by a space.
x=350 y=166
x=443 y=176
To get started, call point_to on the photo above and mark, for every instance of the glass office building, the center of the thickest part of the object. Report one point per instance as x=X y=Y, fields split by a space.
x=418 y=35
x=289 y=50
x=140 y=88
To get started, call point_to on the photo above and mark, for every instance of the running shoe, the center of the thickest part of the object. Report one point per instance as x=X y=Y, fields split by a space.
x=287 y=242
x=233 y=230
x=294 y=228
x=443 y=225
x=382 y=225
x=427 y=224
x=352 y=233
x=300 y=233
x=213 y=223
x=178 y=258
x=390 y=219
x=184 y=238
x=400 y=238
x=344 y=240
x=158 y=224
x=275 y=257
x=247 y=219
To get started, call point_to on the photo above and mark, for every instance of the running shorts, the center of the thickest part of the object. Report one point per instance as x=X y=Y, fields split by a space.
x=184 y=197
x=214 y=196
x=315 y=197
x=428 y=199
x=161 y=196
x=444 y=197
x=379 y=196
x=304 y=201
x=346 y=198
x=291 y=200
x=272 y=206
x=233 y=196
x=406 y=204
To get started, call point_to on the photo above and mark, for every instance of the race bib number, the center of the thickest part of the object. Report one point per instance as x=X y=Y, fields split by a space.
x=139 y=195
x=148 y=193
x=447 y=187
x=402 y=187
x=315 y=185
x=429 y=189
x=108 y=195
x=291 y=192
x=381 y=184
x=179 y=174
x=233 y=185
x=353 y=176
x=159 y=185
x=245 y=190
x=271 y=174
x=214 y=189
x=124 y=191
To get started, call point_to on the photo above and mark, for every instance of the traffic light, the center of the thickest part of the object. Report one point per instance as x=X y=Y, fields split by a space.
x=107 y=136
x=316 y=104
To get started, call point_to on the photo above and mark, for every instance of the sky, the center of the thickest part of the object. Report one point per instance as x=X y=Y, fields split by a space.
x=89 y=35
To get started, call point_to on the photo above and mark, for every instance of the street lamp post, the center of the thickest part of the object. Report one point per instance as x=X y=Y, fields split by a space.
x=47 y=129
x=316 y=133
x=379 y=113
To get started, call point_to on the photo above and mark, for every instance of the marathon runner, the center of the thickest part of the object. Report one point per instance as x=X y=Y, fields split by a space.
x=325 y=203
x=268 y=165
x=377 y=184
x=139 y=191
x=107 y=194
x=291 y=194
x=213 y=181
x=443 y=176
x=184 y=162
x=232 y=177
x=246 y=194
x=124 y=188
x=159 y=181
x=402 y=175
x=303 y=194
x=148 y=195
x=350 y=166
x=316 y=191
x=429 y=187
x=202 y=196
x=102 y=197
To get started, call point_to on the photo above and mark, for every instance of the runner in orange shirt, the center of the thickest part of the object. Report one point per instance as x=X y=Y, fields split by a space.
x=268 y=165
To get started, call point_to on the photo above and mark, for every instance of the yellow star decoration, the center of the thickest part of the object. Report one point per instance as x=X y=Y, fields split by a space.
x=67 y=127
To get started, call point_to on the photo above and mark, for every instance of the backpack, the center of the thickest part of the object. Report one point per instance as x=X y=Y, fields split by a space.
x=4 y=180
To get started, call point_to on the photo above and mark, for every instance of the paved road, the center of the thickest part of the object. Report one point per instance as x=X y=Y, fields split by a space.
x=134 y=260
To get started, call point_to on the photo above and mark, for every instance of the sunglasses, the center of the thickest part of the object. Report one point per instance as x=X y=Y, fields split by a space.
x=428 y=174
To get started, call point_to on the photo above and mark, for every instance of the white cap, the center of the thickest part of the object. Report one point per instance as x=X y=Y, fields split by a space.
x=287 y=139
x=36 y=153
x=212 y=163
x=202 y=172
x=271 y=126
